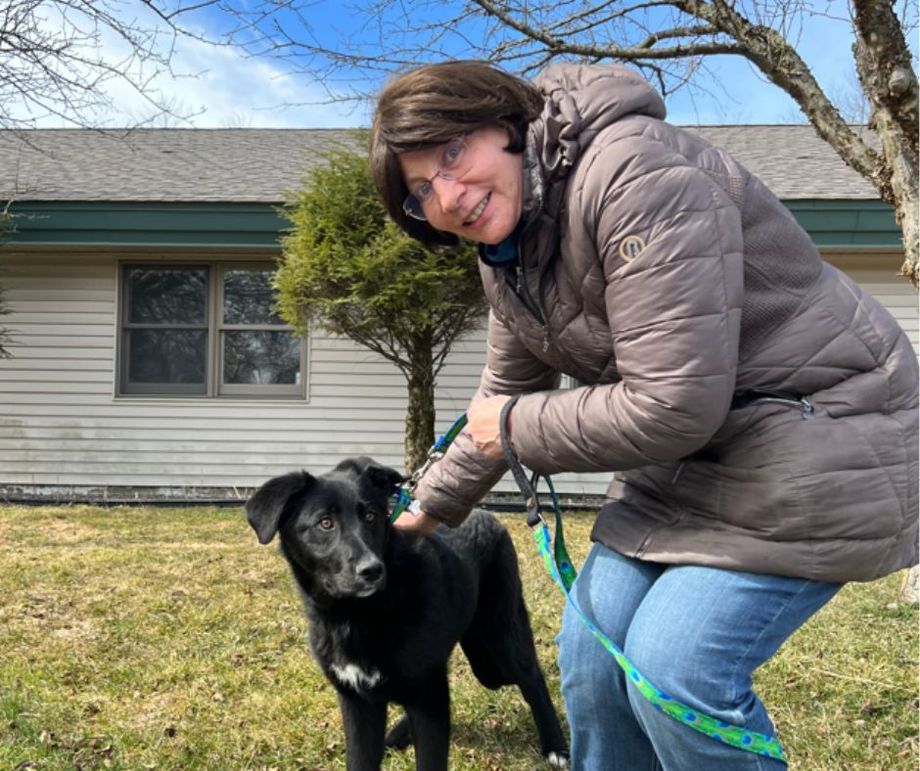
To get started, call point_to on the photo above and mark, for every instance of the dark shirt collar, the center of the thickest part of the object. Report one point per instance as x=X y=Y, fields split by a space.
x=501 y=254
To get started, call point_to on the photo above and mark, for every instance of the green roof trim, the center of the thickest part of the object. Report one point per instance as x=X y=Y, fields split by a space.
x=162 y=224
x=848 y=224
x=832 y=224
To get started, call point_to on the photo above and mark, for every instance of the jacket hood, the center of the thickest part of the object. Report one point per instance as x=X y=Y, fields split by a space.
x=581 y=100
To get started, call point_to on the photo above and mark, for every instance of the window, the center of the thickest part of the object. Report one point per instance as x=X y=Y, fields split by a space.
x=205 y=330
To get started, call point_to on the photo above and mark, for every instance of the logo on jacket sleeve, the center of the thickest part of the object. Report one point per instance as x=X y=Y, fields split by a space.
x=630 y=248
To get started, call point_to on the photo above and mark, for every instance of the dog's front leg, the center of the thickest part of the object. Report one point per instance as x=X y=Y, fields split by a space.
x=365 y=726
x=429 y=720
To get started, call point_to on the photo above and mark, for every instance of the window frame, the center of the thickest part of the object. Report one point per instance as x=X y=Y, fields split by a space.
x=214 y=387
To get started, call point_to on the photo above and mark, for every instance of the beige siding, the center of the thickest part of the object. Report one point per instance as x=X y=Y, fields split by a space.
x=879 y=274
x=61 y=423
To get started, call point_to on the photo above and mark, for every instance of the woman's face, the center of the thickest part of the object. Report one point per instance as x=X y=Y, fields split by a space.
x=484 y=204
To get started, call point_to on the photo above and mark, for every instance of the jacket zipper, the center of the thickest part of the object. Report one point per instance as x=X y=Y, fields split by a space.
x=520 y=289
x=807 y=408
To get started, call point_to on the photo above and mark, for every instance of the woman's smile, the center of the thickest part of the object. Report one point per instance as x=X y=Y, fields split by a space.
x=477 y=212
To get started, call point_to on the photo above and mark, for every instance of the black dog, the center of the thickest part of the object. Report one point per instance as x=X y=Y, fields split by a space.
x=386 y=608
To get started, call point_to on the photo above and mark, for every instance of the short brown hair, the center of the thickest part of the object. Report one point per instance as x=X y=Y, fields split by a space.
x=433 y=104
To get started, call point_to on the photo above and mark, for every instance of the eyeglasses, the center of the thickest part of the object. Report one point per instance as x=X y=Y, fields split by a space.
x=453 y=162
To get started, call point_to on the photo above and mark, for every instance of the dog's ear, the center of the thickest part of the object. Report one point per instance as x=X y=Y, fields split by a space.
x=384 y=477
x=266 y=505
x=381 y=476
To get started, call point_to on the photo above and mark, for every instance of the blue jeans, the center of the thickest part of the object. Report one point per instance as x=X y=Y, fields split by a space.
x=698 y=634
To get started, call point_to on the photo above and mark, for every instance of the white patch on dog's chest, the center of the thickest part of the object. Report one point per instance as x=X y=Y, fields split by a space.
x=354 y=676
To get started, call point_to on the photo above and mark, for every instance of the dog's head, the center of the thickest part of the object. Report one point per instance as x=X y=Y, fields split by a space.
x=333 y=527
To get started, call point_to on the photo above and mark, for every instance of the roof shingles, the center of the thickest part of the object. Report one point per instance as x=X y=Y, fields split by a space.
x=258 y=165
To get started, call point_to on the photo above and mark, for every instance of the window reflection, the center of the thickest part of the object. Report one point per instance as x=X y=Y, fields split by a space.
x=249 y=298
x=261 y=358
x=167 y=295
x=167 y=355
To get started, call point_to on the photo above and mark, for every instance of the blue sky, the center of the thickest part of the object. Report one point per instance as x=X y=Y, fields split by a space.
x=219 y=87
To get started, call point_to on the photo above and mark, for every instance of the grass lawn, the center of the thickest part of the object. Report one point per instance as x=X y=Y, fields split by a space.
x=166 y=638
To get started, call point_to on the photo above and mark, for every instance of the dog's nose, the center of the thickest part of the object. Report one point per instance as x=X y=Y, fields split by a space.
x=370 y=571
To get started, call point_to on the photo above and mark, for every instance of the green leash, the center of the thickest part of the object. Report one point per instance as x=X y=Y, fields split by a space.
x=404 y=496
x=559 y=565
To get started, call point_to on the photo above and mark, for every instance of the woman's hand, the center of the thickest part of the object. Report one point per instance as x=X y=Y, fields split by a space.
x=416 y=523
x=484 y=425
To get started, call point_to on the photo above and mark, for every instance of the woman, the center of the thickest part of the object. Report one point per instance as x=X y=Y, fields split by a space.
x=761 y=408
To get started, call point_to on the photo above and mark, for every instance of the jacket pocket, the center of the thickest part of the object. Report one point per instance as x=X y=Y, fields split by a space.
x=746 y=476
x=787 y=478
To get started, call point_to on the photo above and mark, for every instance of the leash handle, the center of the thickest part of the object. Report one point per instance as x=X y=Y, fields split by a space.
x=562 y=568
x=527 y=487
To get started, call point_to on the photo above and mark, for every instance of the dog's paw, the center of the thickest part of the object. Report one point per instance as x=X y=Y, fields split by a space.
x=558 y=760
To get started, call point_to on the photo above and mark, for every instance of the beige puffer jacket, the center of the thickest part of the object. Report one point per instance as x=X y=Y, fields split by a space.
x=659 y=273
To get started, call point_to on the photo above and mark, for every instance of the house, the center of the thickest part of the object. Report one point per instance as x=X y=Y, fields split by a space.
x=147 y=363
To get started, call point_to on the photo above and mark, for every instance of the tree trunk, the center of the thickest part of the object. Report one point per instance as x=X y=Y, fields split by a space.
x=910 y=589
x=906 y=213
x=420 y=411
x=884 y=66
x=901 y=188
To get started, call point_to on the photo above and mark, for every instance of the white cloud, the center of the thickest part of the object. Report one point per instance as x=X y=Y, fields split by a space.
x=206 y=86
x=219 y=87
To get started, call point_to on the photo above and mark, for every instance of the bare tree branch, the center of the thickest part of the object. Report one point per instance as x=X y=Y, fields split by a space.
x=59 y=58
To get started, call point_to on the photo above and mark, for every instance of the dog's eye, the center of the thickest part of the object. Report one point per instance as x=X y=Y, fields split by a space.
x=369 y=516
x=326 y=523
